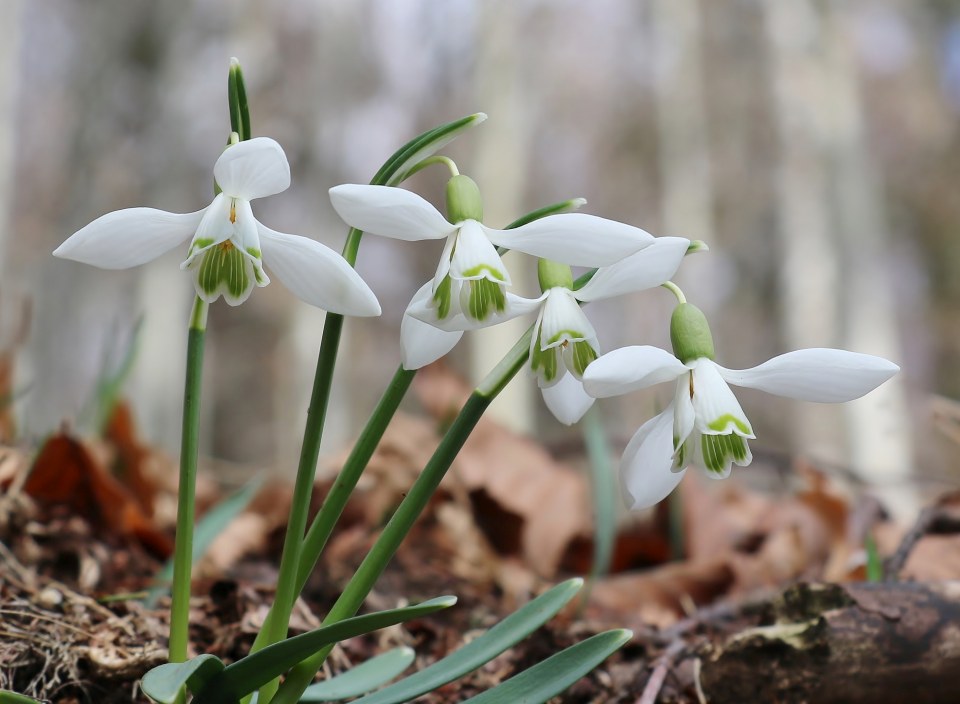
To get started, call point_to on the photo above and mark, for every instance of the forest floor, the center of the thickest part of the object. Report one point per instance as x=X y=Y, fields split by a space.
x=759 y=592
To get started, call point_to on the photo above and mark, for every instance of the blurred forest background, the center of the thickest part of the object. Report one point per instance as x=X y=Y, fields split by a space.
x=815 y=145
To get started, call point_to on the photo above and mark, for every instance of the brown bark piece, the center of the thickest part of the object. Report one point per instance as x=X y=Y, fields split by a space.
x=847 y=644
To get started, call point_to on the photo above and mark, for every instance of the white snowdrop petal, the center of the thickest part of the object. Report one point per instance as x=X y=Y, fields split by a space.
x=567 y=400
x=646 y=476
x=389 y=212
x=629 y=369
x=316 y=274
x=821 y=375
x=127 y=238
x=474 y=257
x=253 y=169
x=717 y=409
x=574 y=238
x=649 y=267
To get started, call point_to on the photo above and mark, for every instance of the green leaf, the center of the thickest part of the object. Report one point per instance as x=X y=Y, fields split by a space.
x=479 y=651
x=362 y=678
x=556 y=673
x=208 y=528
x=14 y=698
x=403 y=161
x=254 y=671
x=164 y=683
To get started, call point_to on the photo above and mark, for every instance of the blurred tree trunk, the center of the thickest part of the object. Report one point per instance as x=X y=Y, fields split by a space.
x=829 y=217
x=10 y=30
x=501 y=172
x=687 y=195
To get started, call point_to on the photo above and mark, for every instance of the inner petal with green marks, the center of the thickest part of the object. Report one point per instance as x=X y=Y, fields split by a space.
x=483 y=298
x=225 y=270
x=717 y=409
x=719 y=451
x=442 y=297
x=544 y=362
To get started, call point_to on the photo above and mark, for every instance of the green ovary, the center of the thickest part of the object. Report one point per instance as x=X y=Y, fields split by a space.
x=720 y=450
x=724 y=421
x=485 y=297
x=224 y=267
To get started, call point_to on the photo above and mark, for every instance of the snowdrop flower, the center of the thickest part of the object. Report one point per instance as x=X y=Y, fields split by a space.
x=471 y=279
x=704 y=423
x=229 y=245
x=564 y=342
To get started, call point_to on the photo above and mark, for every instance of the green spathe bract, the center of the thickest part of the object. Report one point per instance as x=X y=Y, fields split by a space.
x=463 y=199
x=690 y=334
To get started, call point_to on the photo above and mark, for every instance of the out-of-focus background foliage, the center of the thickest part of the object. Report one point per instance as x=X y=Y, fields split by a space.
x=813 y=144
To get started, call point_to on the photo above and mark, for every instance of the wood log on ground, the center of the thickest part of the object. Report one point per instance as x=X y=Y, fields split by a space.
x=871 y=643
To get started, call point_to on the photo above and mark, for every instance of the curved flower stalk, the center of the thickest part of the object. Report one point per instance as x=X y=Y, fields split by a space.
x=564 y=342
x=229 y=245
x=704 y=424
x=471 y=279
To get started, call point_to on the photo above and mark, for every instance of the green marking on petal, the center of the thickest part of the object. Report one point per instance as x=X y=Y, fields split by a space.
x=724 y=421
x=223 y=266
x=719 y=450
x=254 y=252
x=442 y=297
x=568 y=334
x=199 y=244
x=583 y=355
x=681 y=454
x=485 y=297
x=479 y=269
x=544 y=361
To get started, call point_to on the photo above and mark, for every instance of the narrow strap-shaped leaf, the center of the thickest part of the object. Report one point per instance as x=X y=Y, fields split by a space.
x=550 y=677
x=481 y=650
x=396 y=168
x=14 y=698
x=164 y=683
x=208 y=528
x=254 y=671
x=362 y=678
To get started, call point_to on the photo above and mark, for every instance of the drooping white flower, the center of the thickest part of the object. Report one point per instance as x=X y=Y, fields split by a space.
x=229 y=246
x=564 y=342
x=471 y=279
x=704 y=424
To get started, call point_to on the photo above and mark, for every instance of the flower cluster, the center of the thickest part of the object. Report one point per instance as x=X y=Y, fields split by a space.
x=704 y=423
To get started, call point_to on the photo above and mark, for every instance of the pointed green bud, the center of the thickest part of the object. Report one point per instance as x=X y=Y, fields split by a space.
x=553 y=274
x=463 y=200
x=690 y=334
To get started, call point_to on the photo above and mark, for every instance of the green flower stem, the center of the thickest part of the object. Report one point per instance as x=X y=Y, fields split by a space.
x=675 y=290
x=275 y=629
x=339 y=493
x=408 y=512
x=186 y=492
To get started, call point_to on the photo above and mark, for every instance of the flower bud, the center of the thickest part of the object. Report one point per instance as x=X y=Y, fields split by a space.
x=463 y=200
x=690 y=334
x=552 y=274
